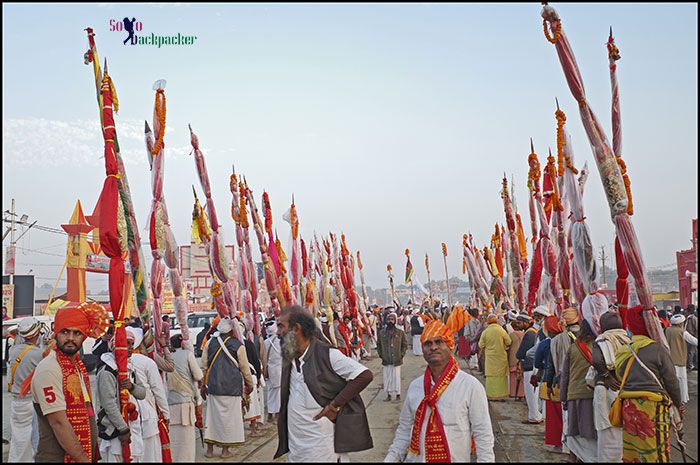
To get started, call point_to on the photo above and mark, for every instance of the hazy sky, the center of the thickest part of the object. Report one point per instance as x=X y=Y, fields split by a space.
x=391 y=123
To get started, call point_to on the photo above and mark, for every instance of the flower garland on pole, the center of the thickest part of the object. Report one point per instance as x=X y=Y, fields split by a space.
x=611 y=176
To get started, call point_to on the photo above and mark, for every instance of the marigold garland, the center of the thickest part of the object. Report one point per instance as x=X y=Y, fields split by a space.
x=562 y=158
x=557 y=32
x=551 y=170
x=160 y=113
x=626 y=180
x=534 y=174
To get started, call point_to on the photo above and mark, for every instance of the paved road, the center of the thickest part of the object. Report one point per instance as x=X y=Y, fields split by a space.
x=515 y=442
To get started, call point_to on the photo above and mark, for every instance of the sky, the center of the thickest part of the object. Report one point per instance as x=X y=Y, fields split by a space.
x=391 y=123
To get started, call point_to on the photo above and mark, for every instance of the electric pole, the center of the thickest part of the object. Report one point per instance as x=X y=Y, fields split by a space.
x=602 y=258
x=10 y=259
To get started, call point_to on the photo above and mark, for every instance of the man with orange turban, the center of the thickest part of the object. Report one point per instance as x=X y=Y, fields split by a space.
x=67 y=426
x=443 y=406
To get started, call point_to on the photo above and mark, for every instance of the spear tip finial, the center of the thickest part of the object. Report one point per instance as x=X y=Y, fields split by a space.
x=550 y=151
x=557 y=102
x=532 y=146
x=146 y=129
x=106 y=65
x=611 y=32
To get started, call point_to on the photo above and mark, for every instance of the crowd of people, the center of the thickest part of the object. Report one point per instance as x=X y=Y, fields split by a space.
x=606 y=396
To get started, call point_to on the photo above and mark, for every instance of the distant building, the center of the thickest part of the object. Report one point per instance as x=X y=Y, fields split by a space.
x=687 y=261
x=194 y=269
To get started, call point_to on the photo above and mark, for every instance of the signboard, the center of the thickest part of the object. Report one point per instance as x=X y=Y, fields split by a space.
x=10 y=260
x=8 y=295
x=98 y=263
x=23 y=299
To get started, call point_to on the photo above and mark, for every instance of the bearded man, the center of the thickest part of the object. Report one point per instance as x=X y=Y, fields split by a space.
x=322 y=416
x=444 y=407
x=392 y=346
x=62 y=394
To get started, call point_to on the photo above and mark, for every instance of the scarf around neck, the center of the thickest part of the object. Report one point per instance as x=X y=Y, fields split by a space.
x=610 y=342
x=436 y=446
x=78 y=401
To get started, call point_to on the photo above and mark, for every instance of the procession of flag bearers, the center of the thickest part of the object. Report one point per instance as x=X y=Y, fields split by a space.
x=606 y=380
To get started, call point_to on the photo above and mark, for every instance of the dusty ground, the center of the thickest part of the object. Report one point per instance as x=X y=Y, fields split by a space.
x=515 y=442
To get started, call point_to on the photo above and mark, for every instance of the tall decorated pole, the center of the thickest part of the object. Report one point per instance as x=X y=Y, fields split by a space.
x=113 y=240
x=536 y=210
x=616 y=189
x=133 y=240
x=447 y=276
x=515 y=257
x=221 y=291
x=164 y=247
x=270 y=272
x=594 y=303
x=391 y=282
x=430 y=283
x=621 y=283
x=246 y=274
x=409 y=274
x=559 y=219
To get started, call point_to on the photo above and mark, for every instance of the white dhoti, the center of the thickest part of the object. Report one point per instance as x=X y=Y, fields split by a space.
x=392 y=379
x=682 y=375
x=417 y=347
x=273 y=399
x=224 y=425
x=183 y=439
x=152 y=449
x=21 y=420
x=531 y=397
x=583 y=448
x=609 y=437
x=111 y=449
x=254 y=411
x=564 y=430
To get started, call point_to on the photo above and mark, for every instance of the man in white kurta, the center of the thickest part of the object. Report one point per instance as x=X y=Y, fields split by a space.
x=312 y=440
x=462 y=406
x=23 y=357
x=273 y=366
x=156 y=396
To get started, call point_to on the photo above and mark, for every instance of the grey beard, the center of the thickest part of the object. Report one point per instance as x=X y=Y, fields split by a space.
x=288 y=344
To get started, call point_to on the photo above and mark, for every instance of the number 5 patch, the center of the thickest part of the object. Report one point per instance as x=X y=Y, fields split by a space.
x=49 y=395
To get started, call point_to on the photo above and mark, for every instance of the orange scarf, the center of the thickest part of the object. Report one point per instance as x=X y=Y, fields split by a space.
x=78 y=408
x=436 y=447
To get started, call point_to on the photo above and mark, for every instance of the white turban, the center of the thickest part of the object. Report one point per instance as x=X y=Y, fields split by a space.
x=541 y=310
x=225 y=326
x=677 y=319
x=28 y=327
x=137 y=334
x=512 y=315
x=392 y=314
x=271 y=330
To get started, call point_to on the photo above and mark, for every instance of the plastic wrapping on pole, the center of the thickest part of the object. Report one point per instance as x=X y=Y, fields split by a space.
x=621 y=283
x=612 y=180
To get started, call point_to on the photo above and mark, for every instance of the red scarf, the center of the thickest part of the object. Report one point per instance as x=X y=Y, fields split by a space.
x=436 y=447
x=78 y=408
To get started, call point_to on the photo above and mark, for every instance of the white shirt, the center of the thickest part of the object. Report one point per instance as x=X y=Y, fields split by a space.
x=309 y=440
x=147 y=371
x=274 y=361
x=689 y=338
x=464 y=411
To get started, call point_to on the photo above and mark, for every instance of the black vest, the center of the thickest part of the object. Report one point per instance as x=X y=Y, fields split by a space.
x=224 y=378
x=351 y=427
